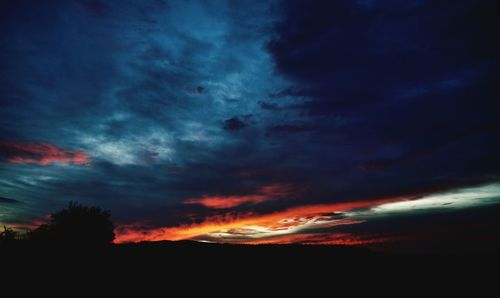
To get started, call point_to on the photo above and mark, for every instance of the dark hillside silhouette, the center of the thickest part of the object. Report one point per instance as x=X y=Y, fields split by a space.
x=78 y=239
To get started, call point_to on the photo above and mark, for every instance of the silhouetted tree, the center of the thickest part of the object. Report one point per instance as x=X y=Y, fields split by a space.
x=77 y=225
x=8 y=237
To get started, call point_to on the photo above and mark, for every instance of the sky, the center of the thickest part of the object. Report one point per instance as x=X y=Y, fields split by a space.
x=316 y=122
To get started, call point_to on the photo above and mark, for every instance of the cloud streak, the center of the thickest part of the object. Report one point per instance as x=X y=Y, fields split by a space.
x=301 y=224
x=253 y=226
x=8 y=201
x=325 y=239
x=41 y=153
x=263 y=194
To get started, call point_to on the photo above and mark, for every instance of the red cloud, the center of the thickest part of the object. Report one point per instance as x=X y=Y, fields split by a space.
x=325 y=239
x=41 y=153
x=265 y=193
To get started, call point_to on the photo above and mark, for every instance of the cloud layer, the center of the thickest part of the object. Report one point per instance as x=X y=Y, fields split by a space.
x=315 y=224
x=178 y=114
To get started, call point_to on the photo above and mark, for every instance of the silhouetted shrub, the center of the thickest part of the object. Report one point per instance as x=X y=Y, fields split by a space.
x=8 y=237
x=76 y=225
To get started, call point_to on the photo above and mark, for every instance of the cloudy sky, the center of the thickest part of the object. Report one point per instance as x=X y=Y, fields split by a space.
x=321 y=122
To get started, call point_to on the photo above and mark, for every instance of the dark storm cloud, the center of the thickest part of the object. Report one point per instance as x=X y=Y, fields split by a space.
x=234 y=123
x=428 y=150
x=197 y=90
x=8 y=201
x=411 y=81
x=427 y=65
x=290 y=128
x=94 y=7
x=268 y=106
x=365 y=50
x=290 y=92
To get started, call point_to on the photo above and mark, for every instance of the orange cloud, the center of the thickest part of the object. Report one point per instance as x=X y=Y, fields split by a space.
x=252 y=227
x=265 y=193
x=41 y=153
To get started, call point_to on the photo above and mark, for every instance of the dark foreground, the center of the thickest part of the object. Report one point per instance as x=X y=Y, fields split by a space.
x=216 y=268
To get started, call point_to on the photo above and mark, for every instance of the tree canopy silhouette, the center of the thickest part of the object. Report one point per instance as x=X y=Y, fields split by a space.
x=8 y=236
x=77 y=225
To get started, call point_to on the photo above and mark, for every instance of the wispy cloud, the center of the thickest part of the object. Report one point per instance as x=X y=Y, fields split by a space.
x=303 y=224
x=448 y=200
x=253 y=226
x=8 y=201
x=41 y=153
x=265 y=193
